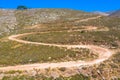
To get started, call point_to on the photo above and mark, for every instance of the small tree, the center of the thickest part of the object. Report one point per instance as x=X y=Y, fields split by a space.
x=21 y=7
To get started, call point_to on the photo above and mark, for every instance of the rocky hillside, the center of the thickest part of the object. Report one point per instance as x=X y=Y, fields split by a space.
x=17 y=19
x=8 y=21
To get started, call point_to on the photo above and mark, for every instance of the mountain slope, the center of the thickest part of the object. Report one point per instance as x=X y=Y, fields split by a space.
x=115 y=14
x=100 y=13
x=11 y=20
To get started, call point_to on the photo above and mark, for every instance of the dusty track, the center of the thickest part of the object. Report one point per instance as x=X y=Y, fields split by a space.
x=104 y=54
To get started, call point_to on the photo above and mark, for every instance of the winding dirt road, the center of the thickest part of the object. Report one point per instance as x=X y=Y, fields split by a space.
x=103 y=53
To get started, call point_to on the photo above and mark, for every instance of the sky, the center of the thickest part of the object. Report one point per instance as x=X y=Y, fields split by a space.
x=85 y=5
